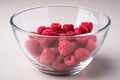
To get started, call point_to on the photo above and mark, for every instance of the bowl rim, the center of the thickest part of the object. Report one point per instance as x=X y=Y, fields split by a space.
x=14 y=26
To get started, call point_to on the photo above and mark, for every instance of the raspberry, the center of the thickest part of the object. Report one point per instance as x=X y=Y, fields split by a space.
x=48 y=41
x=47 y=56
x=62 y=34
x=70 y=33
x=58 y=64
x=41 y=29
x=88 y=25
x=56 y=26
x=68 y=27
x=66 y=47
x=65 y=39
x=49 y=32
x=83 y=30
x=71 y=39
x=70 y=61
x=33 y=47
x=77 y=31
x=81 y=54
x=81 y=40
x=44 y=44
x=91 y=45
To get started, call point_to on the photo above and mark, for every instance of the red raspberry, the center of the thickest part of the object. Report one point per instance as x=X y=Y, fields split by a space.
x=70 y=33
x=33 y=47
x=83 y=29
x=66 y=39
x=44 y=44
x=68 y=27
x=62 y=34
x=91 y=45
x=70 y=61
x=77 y=31
x=81 y=54
x=47 y=56
x=41 y=29
x=49 y=32
x=88 y=25
x=48 y=41
x=71 y=39
x=66 y=47
x=82 y=40
x=58 y=64
x=56 y=26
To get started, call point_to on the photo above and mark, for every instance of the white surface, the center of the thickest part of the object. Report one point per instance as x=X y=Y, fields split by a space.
x=15 y=66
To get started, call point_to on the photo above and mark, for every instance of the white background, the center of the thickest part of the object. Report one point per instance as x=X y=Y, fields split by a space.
x=15 y=66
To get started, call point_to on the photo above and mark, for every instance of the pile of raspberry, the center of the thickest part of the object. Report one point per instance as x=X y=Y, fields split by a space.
x=60 y=47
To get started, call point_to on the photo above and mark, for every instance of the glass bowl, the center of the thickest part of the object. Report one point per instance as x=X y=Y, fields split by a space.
x=45 y=52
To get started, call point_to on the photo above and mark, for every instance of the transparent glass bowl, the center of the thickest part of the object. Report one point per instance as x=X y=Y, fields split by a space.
x=33 y=45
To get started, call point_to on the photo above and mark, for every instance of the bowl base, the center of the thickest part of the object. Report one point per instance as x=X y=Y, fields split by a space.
x=62 y=73
x=73 y=71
